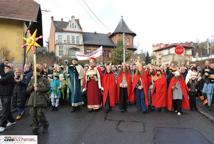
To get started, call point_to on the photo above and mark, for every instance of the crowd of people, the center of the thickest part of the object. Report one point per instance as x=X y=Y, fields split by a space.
x=151 y=88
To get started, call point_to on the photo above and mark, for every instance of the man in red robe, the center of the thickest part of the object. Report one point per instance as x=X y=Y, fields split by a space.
x=109 y=86
x=159 y=92
x=177 y=94
x=92 y=86
x=140 y=89
x=124 y=87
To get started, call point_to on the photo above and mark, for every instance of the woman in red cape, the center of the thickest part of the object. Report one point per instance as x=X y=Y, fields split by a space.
x=140 y=89
x=109 y=85
x=159 y=92
x=177 y=84
x=124 y=87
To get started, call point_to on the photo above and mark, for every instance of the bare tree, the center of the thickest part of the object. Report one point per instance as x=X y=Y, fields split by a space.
x=5 y=54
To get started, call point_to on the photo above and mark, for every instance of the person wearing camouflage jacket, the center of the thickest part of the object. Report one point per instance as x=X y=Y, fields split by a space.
x=38 y=101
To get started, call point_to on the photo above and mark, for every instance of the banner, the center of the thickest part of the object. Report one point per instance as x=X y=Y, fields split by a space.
x=95 y=54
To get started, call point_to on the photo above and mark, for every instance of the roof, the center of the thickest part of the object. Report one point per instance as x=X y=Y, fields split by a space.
x=167 y=46
x=24 y=10
x=60 y=25
x=123 y=28
x=97 y=39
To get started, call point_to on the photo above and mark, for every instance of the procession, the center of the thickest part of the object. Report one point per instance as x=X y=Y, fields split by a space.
x=103 y=87
x=109 y=72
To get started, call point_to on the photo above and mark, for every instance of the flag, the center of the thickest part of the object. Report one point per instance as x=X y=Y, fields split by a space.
x=96 y=53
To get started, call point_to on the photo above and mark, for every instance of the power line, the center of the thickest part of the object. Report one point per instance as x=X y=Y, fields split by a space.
x=90 y=15
x=95 y=15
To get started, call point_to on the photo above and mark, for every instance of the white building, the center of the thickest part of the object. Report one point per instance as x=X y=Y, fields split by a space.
x=66 y=37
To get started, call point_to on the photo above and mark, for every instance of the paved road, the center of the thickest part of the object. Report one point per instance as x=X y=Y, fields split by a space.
x=121 y=128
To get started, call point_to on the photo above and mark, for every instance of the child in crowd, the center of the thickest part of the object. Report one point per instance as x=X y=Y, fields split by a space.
x=55 y=92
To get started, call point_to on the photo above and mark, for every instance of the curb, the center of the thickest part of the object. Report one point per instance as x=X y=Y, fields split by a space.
x=207 y=115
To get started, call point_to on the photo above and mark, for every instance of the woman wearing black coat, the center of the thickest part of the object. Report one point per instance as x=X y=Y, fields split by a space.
x=19 y=93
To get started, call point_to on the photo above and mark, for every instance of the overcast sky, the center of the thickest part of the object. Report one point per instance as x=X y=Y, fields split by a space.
x=154 y=21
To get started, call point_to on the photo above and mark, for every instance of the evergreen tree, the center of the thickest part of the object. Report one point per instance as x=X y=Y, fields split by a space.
x=117 y=53
x=147 y=58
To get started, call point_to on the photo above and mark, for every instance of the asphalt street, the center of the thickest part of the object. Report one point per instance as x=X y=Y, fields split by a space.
x=131 y=127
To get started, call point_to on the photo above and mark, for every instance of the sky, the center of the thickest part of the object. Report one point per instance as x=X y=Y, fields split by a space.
x=154 y=21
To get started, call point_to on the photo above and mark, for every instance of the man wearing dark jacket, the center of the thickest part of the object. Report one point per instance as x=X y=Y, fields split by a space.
x=6 y=91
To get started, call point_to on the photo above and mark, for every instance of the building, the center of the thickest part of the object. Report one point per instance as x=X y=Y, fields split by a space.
x=68 y=37
x=165 y=53
x=92 y=41
x=117 y=35
x=65 y=37
x=15 y=18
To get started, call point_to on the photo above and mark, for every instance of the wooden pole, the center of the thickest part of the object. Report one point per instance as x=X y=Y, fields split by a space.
x=124 y=48
x=34 y=66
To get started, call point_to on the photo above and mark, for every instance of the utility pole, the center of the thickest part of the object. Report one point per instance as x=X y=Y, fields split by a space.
x=124 y=48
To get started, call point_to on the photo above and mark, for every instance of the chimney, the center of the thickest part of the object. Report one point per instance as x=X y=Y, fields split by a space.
x=52 y=18
x=109 y=34
x=62 y=19
x=95 y=32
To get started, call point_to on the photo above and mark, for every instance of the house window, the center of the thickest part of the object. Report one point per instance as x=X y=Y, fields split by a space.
x=127 y=41
x=73 y=40
x=165 y=52
x=60 y=50
x=72 y=25
x=105 y=53
x=59 y=38
x=88 y=51
x=188 y=52
x=77 y=39
x=71 y=53
x=109 y=54
x=68 y=39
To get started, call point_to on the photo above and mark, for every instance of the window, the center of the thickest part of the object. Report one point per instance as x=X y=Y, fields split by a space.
x=60 y=50
x=105 y=53
x=109 y=54
x=88 y=51
x=72 y=25
x=165 y=52
x=127 y=41
x=68 y=39
x=188 y=52
x=73 y=40
x=59 y=38
x=77 y=39
x=71 y=53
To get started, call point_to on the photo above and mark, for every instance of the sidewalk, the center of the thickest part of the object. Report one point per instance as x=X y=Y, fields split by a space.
x=204 y=110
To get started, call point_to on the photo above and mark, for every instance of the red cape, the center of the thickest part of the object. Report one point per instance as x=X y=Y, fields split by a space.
x=159 y=92
x=144 y=84
x=109 y=86
x=129 y=83
x=100 y=72
x=185 y=101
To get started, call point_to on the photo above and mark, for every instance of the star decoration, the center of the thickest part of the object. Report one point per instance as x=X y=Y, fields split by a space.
x=31 y=41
